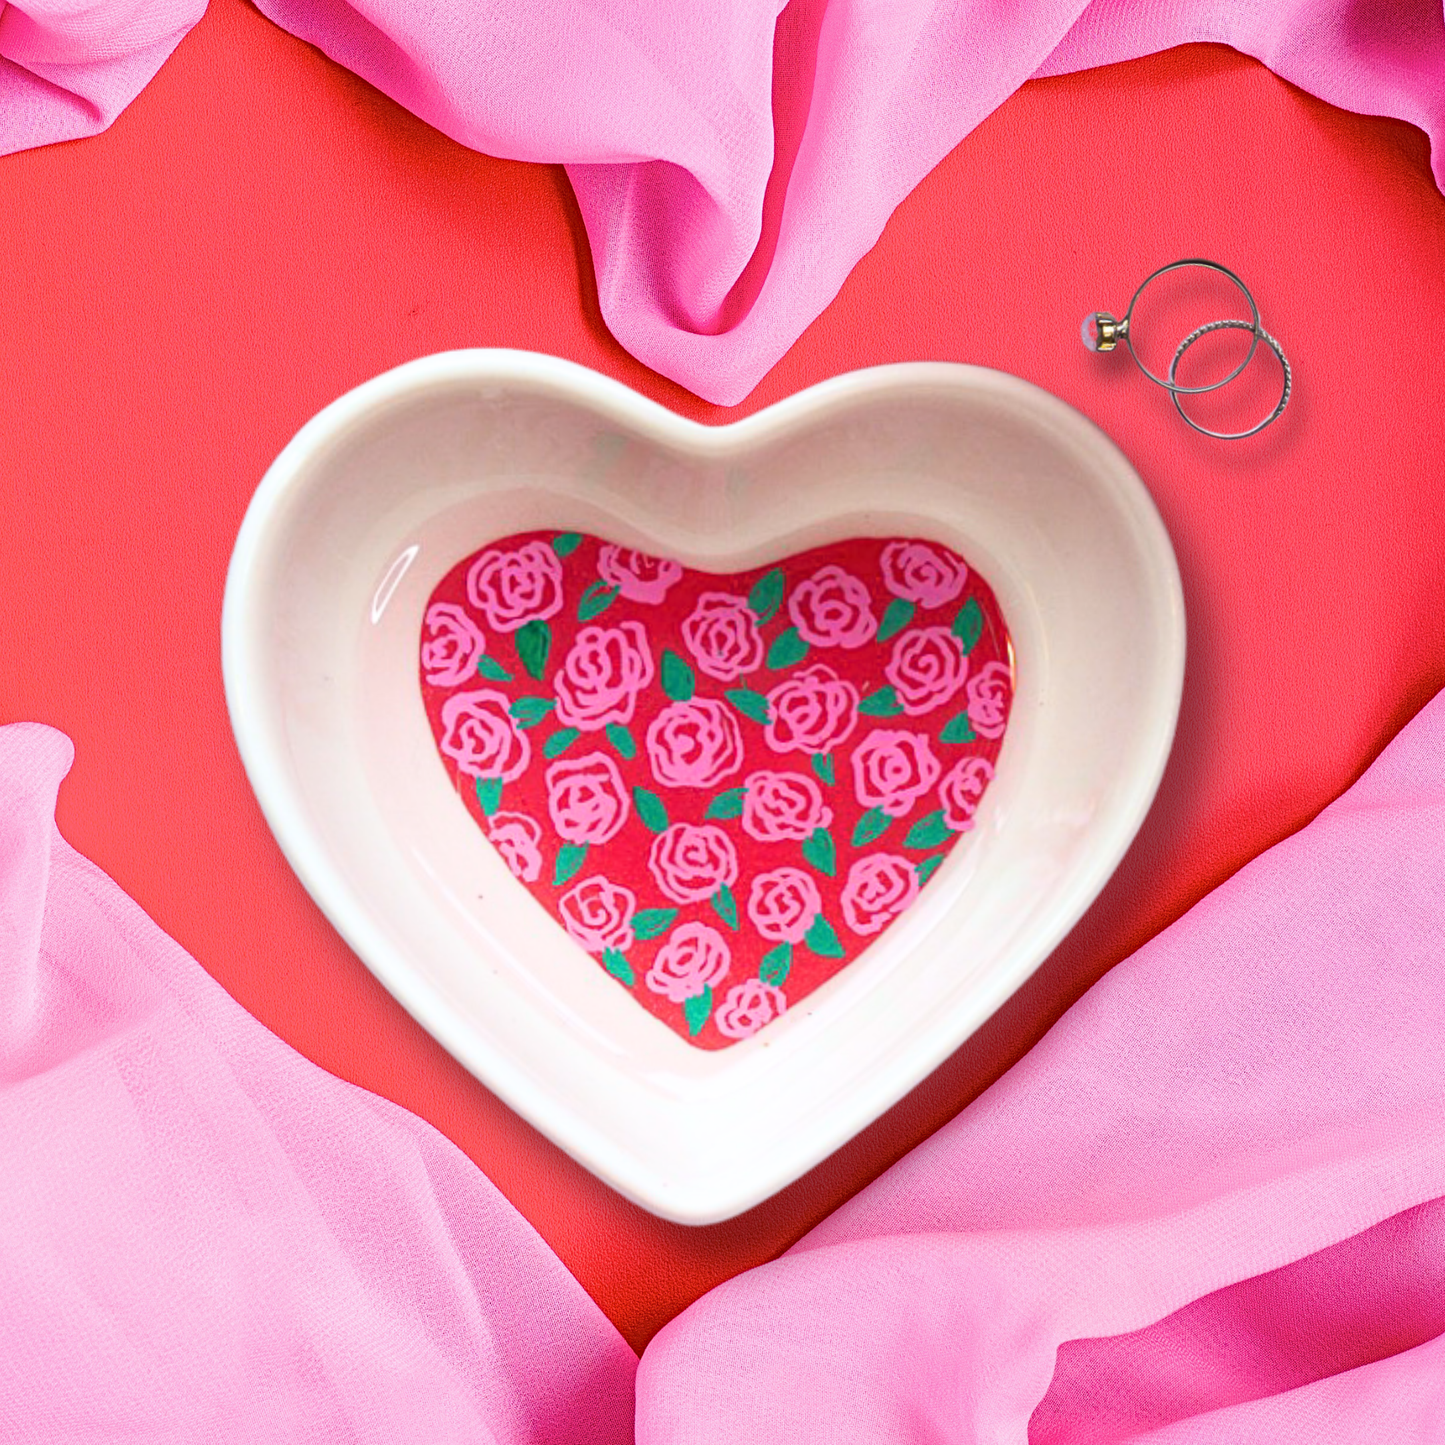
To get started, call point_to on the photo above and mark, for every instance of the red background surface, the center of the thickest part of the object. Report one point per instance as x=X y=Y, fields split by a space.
x=261 y=231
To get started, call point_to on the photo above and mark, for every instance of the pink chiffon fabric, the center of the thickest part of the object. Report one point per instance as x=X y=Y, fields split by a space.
x=732 y=161
x=1208 y=1207
x=203 y=1237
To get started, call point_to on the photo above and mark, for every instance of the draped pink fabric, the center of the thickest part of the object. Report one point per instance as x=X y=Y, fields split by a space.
x=732 y=161
x=1207 y=1207
x=207 y=1238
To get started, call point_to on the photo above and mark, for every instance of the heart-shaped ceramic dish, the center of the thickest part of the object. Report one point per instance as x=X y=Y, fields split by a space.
x=382 y=493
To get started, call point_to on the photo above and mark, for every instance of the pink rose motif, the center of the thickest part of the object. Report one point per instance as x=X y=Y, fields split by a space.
x=453 y=647
x=926 y=668
x=637 y=576
x=517 y=838
x=833 y=609
x=695 y=958
x=779 y=807
x=722 y=634
x=601 y=676
x=814 y=711
x=694 y=744
x=989 y=692
x=922 y=573
x=598 y=914
x=960 y=790
x=893 y=769
x=691 y=861
x=480 y=736
x=748 y=1006
x=878 y=888
x=587 y=799
x=783 y=904
x=517 y=586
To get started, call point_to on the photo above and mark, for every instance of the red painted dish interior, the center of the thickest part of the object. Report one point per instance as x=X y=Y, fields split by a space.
x=722 y=787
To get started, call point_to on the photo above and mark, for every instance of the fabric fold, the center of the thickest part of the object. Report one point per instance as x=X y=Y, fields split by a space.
x=209 y=1238
x=1203 y=1205
x=732 y=162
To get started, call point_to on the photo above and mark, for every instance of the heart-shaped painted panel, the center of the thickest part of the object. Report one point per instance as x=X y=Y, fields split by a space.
x=723 y=788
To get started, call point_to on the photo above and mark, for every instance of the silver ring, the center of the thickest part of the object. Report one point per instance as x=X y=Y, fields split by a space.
x=1101 y=332
x=1260 y=335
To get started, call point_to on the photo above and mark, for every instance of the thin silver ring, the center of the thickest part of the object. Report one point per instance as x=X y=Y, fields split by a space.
x=1260 y=335
x=1170 y=386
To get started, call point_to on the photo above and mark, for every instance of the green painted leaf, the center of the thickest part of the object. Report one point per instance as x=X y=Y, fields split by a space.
x=726 y=906
x=749 y=703
x=928 y=832
x=883 y=703
x=788 y=647
x=529 y=711
x=968 y=625
x=958 y=730
x=651 y=809
x=873 y=824
x=927 y=867
x=823 y=766
x=776 y=964
x=897 y=616
x=617 y=965
x=490 y=667
x=564 y=544
x=767 y=594
x=822 y=939
x=570 y=857
x=622 y=740
x=595 y=600
x=820 y=851
x=560 y=741
x=533 y=642
x=653 y=921
x=696 y=1010
x=727 y=805
x=678 y=681
x=489 y=794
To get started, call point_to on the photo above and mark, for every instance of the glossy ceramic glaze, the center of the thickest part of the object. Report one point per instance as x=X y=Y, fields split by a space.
x=388 y=488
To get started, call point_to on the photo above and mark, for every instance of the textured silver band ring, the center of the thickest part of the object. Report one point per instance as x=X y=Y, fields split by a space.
x=1260 y=335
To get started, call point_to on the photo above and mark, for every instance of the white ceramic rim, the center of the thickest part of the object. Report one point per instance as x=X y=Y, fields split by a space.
x=616 y=403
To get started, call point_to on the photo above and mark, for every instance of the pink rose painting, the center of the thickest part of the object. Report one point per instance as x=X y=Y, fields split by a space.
x=779 y=806
x=694 y=744
x=722 y=635
x=481 y=737
x=722 y=787
x=587 y=801
x=598 y=914
x=691 y=862
x=893 y=769
x=813 y=711
x=452 y=646
x=927 y=667
x=990 y=693
x=637 y=576
x=694 y=959
x=923 y=573
x=747 y=1007
x=601 y=676
x=512 y=586
x=518 y=839
x=833 y=608
x=878 y=888
x=961 y=789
